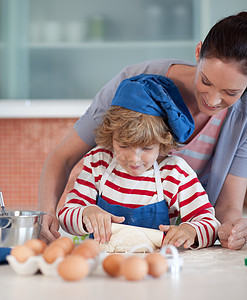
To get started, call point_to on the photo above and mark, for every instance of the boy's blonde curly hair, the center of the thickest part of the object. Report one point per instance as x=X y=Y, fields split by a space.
x=133 y=129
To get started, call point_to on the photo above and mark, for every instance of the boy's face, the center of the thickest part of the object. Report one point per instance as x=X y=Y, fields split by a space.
x=134 y=160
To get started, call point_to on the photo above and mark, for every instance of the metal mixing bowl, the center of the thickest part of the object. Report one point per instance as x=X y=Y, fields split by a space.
x=19 y=226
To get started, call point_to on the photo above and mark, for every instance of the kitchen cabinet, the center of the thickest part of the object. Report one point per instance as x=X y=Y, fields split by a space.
x=68 y=49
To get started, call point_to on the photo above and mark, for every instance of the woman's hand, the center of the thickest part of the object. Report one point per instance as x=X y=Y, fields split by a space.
x=229 y=211
x=183 y=234
x=49 y=230
x=98 y=222
x=233 y=235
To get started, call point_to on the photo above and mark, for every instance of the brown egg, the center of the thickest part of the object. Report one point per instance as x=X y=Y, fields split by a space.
x=52 y=252
x=22 y=252
x=37 y=245
x=65 y=242
x=73 y=267
x=88 y=249
x=157 y=264
x=112 y=264
x=134 y=268
x=93 y=245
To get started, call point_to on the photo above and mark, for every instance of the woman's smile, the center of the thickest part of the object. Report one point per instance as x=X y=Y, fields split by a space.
x=210 y=107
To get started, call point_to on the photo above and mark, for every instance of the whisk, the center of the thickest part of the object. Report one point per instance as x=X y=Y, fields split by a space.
x=3 y=211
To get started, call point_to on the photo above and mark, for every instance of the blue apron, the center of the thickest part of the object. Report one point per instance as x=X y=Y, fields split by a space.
x=149 y=216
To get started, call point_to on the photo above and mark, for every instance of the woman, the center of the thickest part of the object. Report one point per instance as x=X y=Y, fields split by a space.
x=214 y=92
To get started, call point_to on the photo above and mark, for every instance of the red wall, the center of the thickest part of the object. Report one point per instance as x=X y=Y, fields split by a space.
x=24 y=145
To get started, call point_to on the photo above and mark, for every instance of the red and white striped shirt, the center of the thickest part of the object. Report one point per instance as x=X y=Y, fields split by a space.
x=182 y=191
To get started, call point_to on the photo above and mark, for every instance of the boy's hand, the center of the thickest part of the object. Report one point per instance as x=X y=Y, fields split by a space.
x=183 y=234
x=98 y=222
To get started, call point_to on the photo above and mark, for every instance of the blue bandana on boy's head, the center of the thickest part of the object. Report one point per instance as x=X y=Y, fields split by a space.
x=158 y=96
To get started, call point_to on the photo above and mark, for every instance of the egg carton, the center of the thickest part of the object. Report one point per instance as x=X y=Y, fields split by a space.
x=34 y=264
x=175 y=262
x=170 y=252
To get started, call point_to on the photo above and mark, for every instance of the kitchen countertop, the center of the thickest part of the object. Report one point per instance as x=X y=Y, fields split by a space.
x=211 y=273
x=66 y=108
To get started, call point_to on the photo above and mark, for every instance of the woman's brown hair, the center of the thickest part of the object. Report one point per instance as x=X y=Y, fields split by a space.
x=227 y=40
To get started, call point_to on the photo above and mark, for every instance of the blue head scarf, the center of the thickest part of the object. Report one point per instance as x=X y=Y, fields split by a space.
x=158 y=96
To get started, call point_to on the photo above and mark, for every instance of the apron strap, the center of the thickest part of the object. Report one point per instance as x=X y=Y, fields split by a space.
x=106 y=174
x=158 y=182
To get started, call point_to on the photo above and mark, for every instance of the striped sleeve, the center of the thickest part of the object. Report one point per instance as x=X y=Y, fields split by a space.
x=197 y=211
x=83 y=194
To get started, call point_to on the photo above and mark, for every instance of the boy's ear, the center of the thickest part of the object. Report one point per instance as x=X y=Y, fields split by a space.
x=198 y=50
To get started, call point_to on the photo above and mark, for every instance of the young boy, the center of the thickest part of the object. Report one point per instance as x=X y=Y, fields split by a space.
x=130 y=176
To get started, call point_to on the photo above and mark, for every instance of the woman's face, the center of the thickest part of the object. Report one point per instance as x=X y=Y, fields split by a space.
x=135 y=160
x=217 y=85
